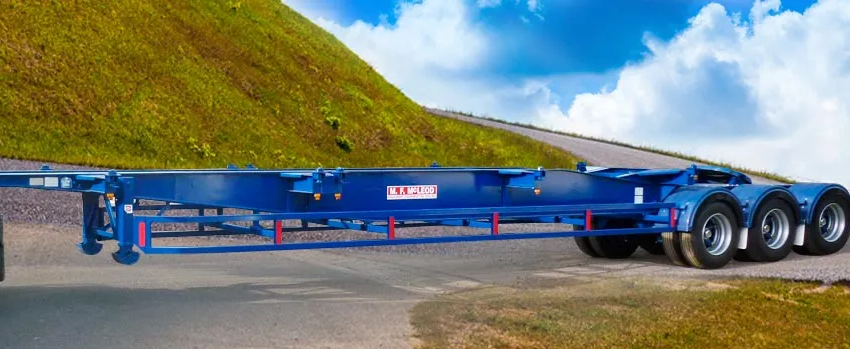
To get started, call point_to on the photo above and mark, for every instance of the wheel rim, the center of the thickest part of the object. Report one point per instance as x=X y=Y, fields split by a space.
x=775 y=228
x=717 y=234
x=832 y=222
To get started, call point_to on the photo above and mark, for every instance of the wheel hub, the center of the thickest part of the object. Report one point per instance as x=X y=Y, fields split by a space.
x=776 y=228
x=717 y=234
x=832 y=222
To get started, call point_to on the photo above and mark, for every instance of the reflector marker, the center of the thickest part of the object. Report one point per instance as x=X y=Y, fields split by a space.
x=278 y=232
x=143 y=236
x=673 y=219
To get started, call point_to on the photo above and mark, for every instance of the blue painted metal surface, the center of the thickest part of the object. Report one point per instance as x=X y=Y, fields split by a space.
x=752 y=197
x=128 y=206
x=688 y=200
x=808 y=194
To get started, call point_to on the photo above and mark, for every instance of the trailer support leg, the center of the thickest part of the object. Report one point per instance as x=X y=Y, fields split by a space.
x=124 y=224
x=92 y=221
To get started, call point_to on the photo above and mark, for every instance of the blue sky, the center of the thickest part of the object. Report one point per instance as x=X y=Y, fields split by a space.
x=580 y=36
x=763 y=79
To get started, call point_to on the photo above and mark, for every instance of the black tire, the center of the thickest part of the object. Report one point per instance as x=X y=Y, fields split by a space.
x=832 y=209
x=717 y=218
x=673 y=249
x=652 y=243
x=742 y=256
x=583 y=243
x=615 y=246
x=777 y=217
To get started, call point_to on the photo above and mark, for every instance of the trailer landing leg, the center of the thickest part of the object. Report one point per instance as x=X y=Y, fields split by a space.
x=90 y=248
x=125 y=255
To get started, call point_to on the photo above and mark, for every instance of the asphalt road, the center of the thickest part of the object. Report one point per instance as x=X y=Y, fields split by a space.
x=55 y=297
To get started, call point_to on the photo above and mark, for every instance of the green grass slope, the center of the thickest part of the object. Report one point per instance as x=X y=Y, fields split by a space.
x=158 y=83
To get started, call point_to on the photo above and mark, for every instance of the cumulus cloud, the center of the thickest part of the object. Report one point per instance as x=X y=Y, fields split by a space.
x=430 y=42
x=770 y=93
x=431 y=53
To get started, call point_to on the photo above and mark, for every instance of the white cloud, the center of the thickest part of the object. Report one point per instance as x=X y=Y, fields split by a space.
x=426 y=52
x=488 y=3
x=429 y=52
x=434 y=35
x=771 y=94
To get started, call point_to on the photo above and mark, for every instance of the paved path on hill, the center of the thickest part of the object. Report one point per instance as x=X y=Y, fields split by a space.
x=595 y=152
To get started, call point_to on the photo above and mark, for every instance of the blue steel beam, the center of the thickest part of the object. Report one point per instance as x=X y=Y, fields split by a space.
x=392 y=242
x=431 y=214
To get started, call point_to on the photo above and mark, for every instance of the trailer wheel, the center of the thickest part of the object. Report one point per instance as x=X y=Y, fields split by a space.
x=615 y=246
x=652 y=243
x=828 y=231
x=583 y=243
x=673 y=249
x=711 y=242
x=771 y=236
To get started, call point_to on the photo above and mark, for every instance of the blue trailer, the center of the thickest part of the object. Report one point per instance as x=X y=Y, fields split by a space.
x=699 y=216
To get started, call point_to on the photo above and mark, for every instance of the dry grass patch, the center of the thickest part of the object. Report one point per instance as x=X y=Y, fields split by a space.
x=642 y=314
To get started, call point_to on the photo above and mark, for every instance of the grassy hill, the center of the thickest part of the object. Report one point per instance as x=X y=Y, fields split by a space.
x=158 y=83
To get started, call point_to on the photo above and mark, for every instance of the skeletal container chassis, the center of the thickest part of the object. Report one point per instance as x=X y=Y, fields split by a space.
x=700 y=216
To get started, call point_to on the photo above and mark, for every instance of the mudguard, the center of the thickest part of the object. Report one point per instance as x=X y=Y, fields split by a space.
x=689 y=199
x=753 y=195
x=808 y=194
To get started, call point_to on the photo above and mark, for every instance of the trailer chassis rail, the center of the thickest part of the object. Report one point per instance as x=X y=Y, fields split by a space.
x=610 y=212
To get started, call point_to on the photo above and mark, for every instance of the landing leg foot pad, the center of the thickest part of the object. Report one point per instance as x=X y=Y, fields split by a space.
x=90 y=248
x=126 y=255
